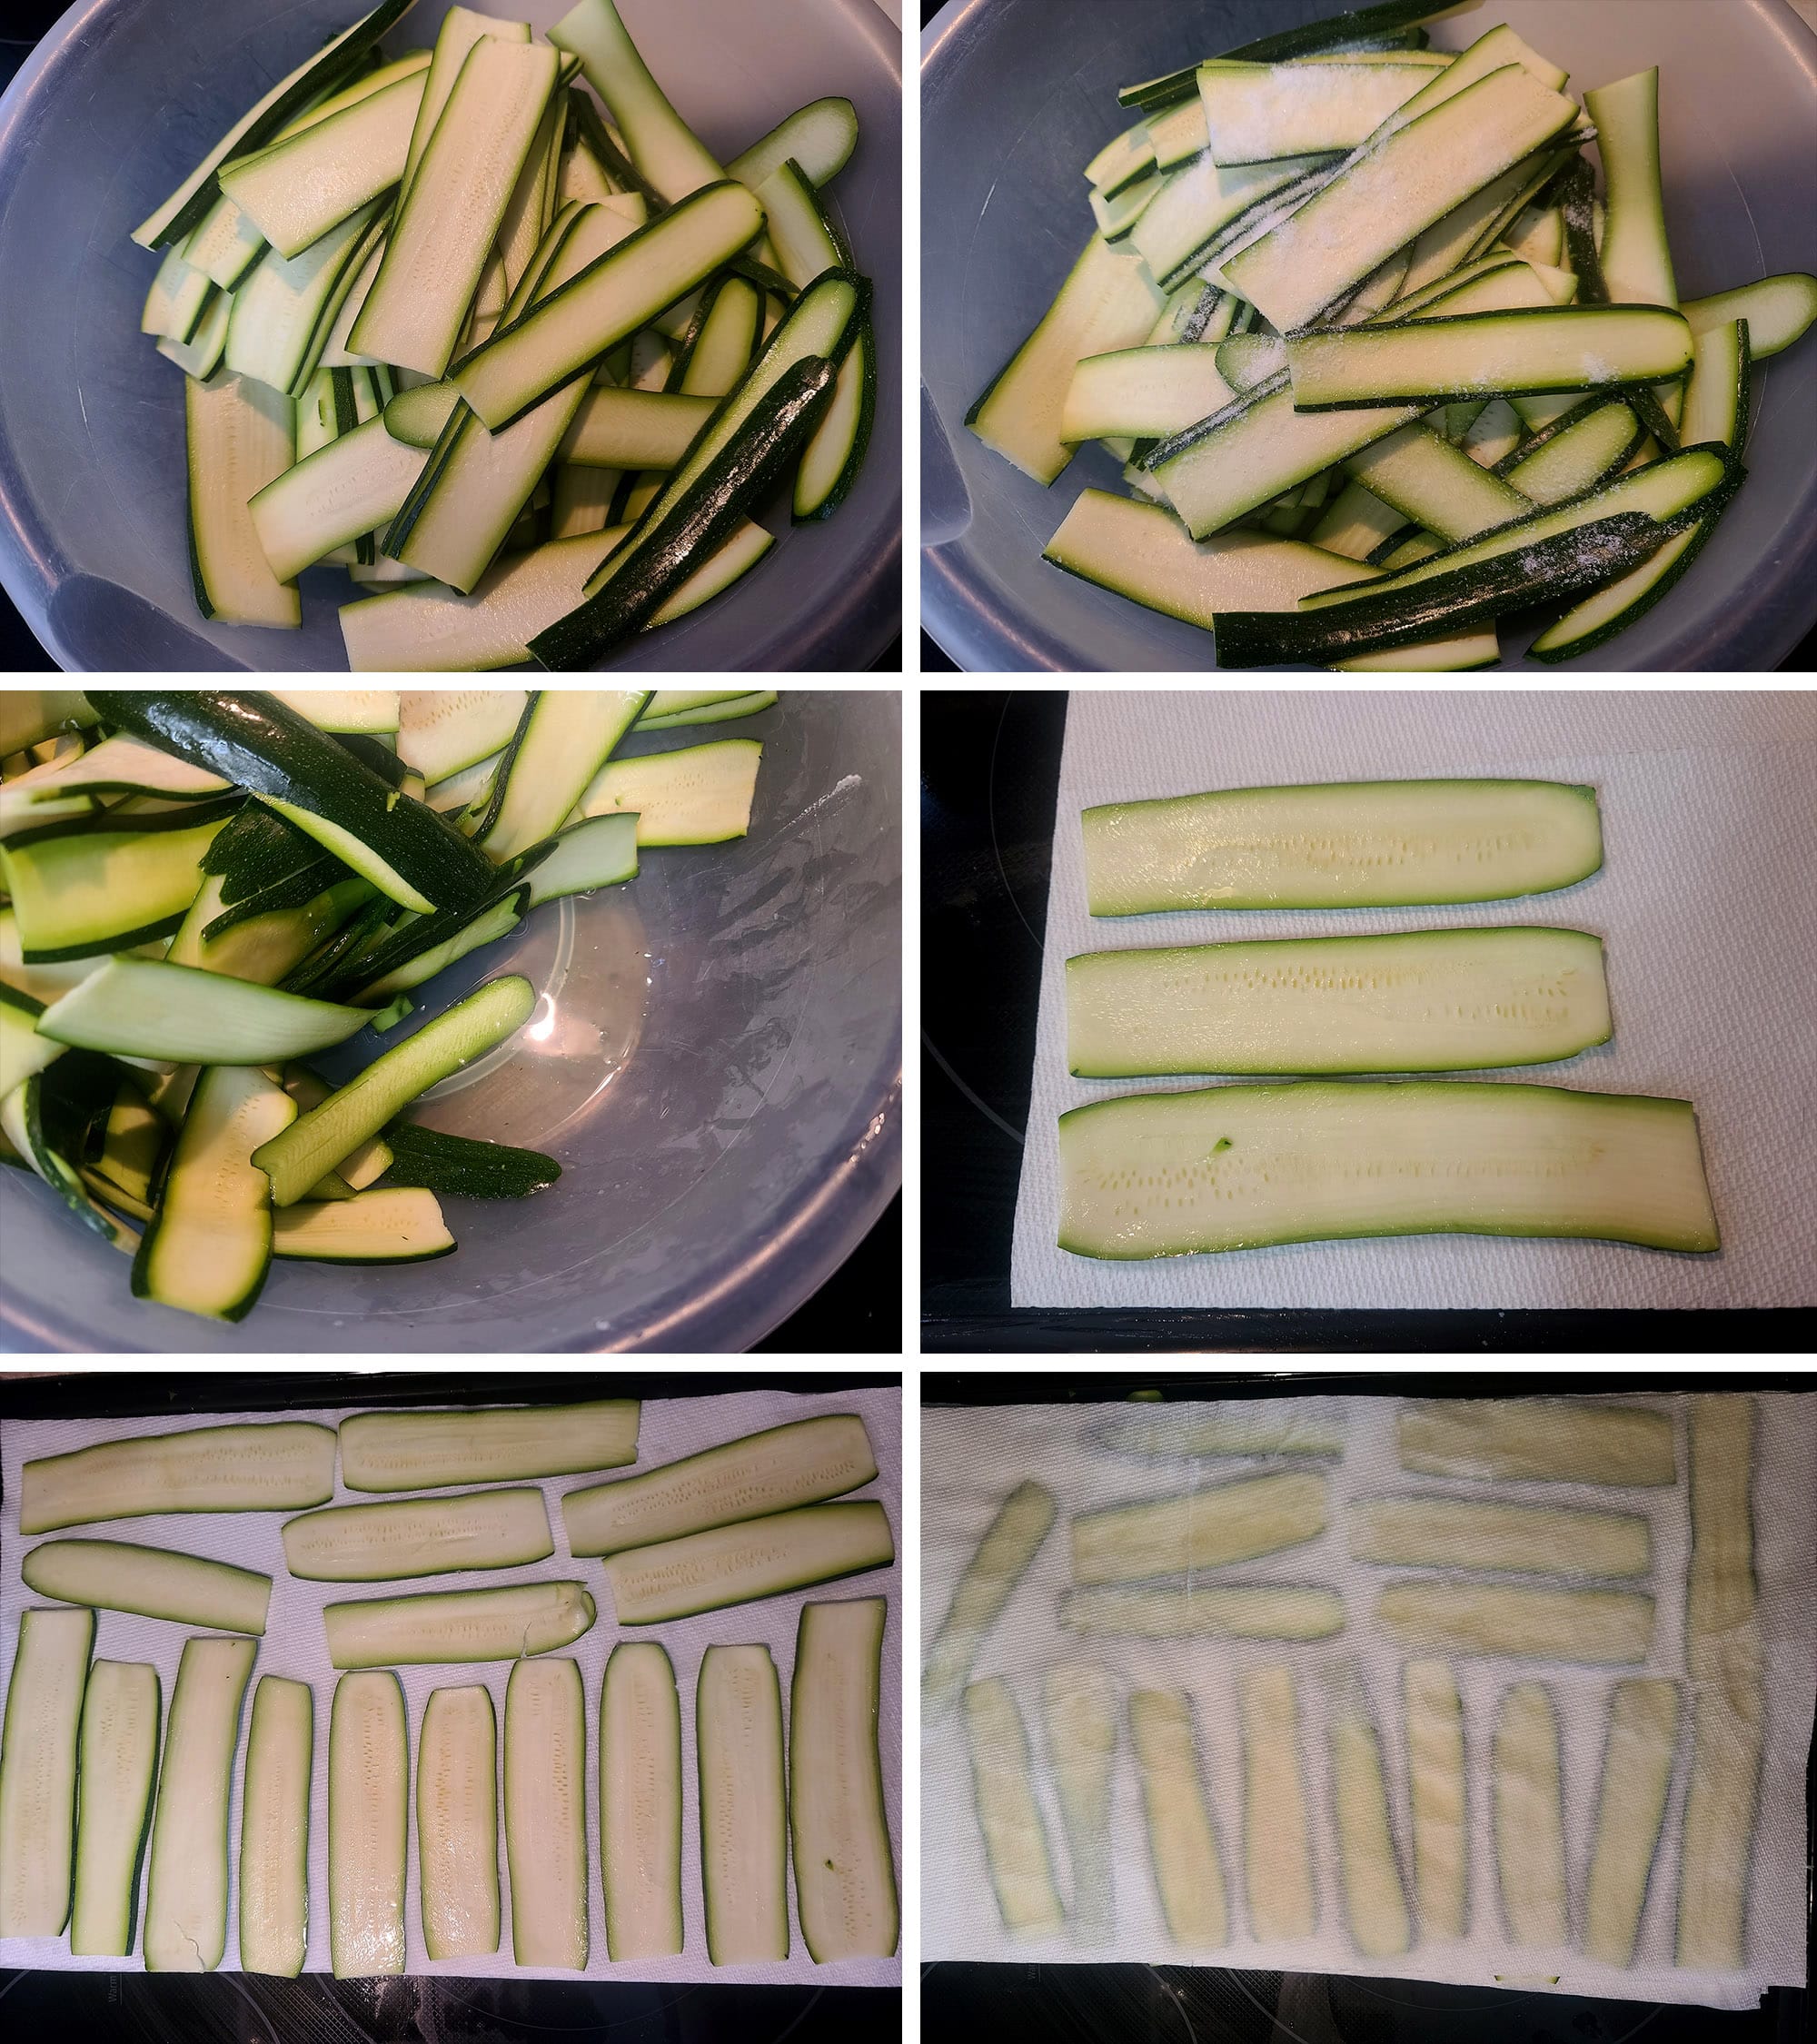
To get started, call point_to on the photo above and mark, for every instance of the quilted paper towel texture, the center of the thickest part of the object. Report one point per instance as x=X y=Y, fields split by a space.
x=294 y=1645
x=1703 y=904
x=971 y=1458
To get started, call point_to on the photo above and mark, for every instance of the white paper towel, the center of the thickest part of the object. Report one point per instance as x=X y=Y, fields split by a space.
x=294 y=1645
x=1704 y=902
x=971 y=1458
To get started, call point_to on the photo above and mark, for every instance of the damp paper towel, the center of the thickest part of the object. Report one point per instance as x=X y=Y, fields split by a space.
x=970 y=1460
x=1702 y=903
x=294 y=1645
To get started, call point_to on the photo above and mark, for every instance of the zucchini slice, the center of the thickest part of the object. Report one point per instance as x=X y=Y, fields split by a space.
x=755 y=1558
x=1724 y=1657
x=457 y=1626
x=460 y=28
x=1203 y=209
x=101 y=883
x=495 y=1529
x=1435 y=1000
x=798 y=1464
x=359 y=1167
x=722 y=710
x=845 y=1881
x=640 y=1803
x=1637 y=1759
x=1375 y=1901
x=1182 y=1839
x=545 y=1778
x=1176 y=1433
x=38 y=1761
x=1600 y=1628
x=1079 y=1705
x=120 y=1714
x=1529 y=1818
x=442 y=732
x=355 y=484
x=295 y=1158
x=209 y=1247
x=1276 y=1847
x=241 y=437
x=634 y=428
x=665 y=150
x=286 y=312
x=407 y=851
x=1002 y=1557
x=1538 y=1440
x=254 y=1468
x=699 y=795
x=487 y=927
x=368 y=1825
x=1251 y=1611
x=388 y=1225
x=1147 y=393
x=274 y=1806
x=427 y=1451
x=1014 y=1838
x=744 y=1846
x=186 y=1886
x=265 y=948
x=1437 y=1797
x=124 y=766
x=1778 y=311
x=457 y=1822
x=565 y=738
x=1438 y=486
x=1636 y=255
x=599 y=852
x=1579 y=452
x=448 y=219
x=1426 y=1532
x=1257 y=115
x=154 y=1581
x=463 y=1167
x=25 y=1050
x=819 y=138
x=1205 y=1529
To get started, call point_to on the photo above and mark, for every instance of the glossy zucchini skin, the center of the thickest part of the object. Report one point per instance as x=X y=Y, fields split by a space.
x=259 y=743
x=464 y=1165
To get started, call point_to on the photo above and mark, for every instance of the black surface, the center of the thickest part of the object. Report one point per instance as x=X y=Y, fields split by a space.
x=991 y=762
x=1139 y=2004
x=134 y=2008
x=859 y=1310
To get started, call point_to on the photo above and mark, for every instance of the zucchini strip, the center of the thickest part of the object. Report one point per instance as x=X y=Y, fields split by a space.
x=101 y=884
x=240 y=436
x=1205 y=1529
x=1428 y=1531
x=664 y=148
x=388 y=1225
x=545 y=1793
x=1182 y=1837
x=457 y=1822
x=456 y=1625
x=697 y=795
x=1002 y=1557
x=1637 y=1759
x=494 y=1529
x=1374 y=1902
x=1008 y=1816
x=462 y=1167
x=1176 y=1432
x=252 y=1468
x=641 y=1803
x=1529 y=1818
x=744 y=1852
x=429 y=1450
x=39 y=1751
x=1081 y=1714
x=119 y=1764
x=1253 y=1611
x=186 y=1886
x=1597 y=1627
x=1778 y=310
x=154 y=1581
x=1538 y=1440
x=756 y=1558
x=1277 y=1845
x=368 y=1825
x=1722 y=1656
x=275 y=1800
x=839 y=1824
x=1438 y=1797
x=565 y=738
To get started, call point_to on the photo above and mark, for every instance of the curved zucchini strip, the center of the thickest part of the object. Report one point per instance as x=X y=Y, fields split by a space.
x=368 y=1825
x=121 y=1713
x=458 y=1626
x=1014 y=1838
x=1438 y=1798
x=1182 y=1837
x=1205 y=1529
x=802 y=1463
x=757 y=1558
x=154 y=1581
x=274 y=1802
x=186 y=1888
x=1778 y=310
x=1277 y=1849
x=1529 y=1818
x=494 y=1529
x=640 y=1803
x=664 y=148
x=254 y=1468
x=1001 y=1560
x=457 y=1824
x=38 y=1761
x=698 y=794
x=442 y=731
x=744 y=1851
x=1598 y=1627
x=1251 y=1611
x=1637 y=1759
x=429 y=1450
x=545 y=1788
x=819 y=138
x=1538 y=1440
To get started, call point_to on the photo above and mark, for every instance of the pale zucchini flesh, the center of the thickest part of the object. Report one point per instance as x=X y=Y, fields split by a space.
x=1426 y=1532
x=1637 y=1760
x=458 y=1626
x=1438 y=1797
x=802 y=1463
x=426 y=1451
x=387 y=1225
x=545 y=1796
x=142 y=1007
x=457 y=1824
x=154 y=1583
x=368 y=1825
x=1542 y=1439
x=640 y=1803
x=186 y=1886
x=1205 y=1529
x=1597 y=1627
x=737 y=1717
x=1182 y=1843
x=1081 y=1719
x=254 y=1468
x=1240 y=1427
x=491 y=1529
x=1529 y=1818
x=757 y=1558
x=1374 y=1902
x=1000 y=1561
x=119 y=1754
x=1276 y=1844
x=39 y=1758
x=274 y=1806
x=1251 y=1611
x=698 y=794
x=1010 y=1818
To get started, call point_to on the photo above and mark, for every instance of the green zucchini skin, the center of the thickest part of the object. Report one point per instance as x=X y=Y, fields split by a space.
x=94 y=1925
x=662 y=555
x=260 y=743
x=463 y=1165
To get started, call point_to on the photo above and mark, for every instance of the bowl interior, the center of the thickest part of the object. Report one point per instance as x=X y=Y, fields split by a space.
x=1016 y=99
x=125 y=96
x=713 y=1060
